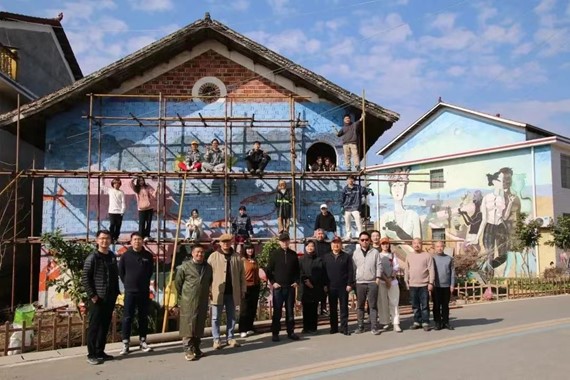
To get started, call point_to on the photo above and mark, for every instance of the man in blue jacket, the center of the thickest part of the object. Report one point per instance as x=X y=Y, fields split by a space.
x=351 y=198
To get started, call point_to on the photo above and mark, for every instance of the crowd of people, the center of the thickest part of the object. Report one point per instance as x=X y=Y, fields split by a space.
x=226 y=280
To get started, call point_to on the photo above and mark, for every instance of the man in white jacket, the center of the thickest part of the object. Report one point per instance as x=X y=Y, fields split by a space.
x=368 y=269
x=116 y=206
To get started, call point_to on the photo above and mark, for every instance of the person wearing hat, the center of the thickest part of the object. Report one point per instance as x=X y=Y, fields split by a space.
x=228 y=289
x=214 y=160
x=283 y=275
x=256 y=159
x=326 y=221
x=248 y=308
x=241 y=227
x=313 y=280
x=389 y=289
x=340 y=281
x=193 y=283
x=194 y=158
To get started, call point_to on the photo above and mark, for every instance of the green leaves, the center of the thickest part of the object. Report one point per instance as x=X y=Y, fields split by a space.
x=561 y=233
x=527 y=233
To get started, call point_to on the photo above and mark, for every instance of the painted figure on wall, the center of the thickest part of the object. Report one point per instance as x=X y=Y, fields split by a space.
x=402 y=223
x=473 y=217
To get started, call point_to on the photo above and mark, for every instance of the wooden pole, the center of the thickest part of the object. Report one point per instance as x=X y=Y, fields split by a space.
x=227 y=145
x=16 y=212
x=167 y=288
x=90 y=140
x=293 y=159
x=98 y=179
x=32 y=218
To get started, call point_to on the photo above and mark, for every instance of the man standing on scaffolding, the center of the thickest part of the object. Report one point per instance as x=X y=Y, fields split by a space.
x=350 y=134
x=350 y=201
x=257 y=159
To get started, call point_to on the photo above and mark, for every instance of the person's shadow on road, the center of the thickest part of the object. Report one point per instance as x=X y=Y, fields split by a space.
x=458 y=322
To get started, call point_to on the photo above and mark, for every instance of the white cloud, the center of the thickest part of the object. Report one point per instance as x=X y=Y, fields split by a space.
x=240 y=5
x=523 y=49
x=502 y=35
x=545 y=6
x=152 y=5
x=456 y=71
x=390 y=30
x=280 y=7
x=444 y=21
x=486 y=13
x=292 y=41
x=546 y=114
x=458 y=39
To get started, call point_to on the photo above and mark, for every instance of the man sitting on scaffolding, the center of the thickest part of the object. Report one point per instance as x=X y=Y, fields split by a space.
x=257 y=159
x=214 y=158
x=193 y=159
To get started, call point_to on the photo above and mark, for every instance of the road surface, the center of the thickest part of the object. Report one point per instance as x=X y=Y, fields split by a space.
x=523 y=339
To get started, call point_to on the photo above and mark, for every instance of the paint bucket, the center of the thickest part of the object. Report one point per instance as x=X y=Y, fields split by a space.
x=26 y=314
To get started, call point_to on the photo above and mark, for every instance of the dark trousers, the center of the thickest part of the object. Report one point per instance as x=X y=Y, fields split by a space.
x=115 y=222
x=419 y=298
x=283 y=295
x=441 y=298
x=249 y=310
x=139 y=302
x=100 y=315
x=145 y=220
x=310 y=316
x=257 y=165
x=367 y=292
x=338 y=297
x=324 y=303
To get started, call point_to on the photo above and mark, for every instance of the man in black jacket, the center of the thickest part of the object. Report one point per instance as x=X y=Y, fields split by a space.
x=322 y=249
x=100 y=278
x=340 y=275
x=283 y=274
x=256 y=159
x=325 y=221
x=135 y=270
x=313 y=280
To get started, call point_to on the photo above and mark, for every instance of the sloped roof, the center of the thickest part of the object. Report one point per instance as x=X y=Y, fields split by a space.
x=442 y=105
x=59 y=33
x=113 y=75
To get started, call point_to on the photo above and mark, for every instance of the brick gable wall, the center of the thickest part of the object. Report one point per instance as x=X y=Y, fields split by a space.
x=238 y=79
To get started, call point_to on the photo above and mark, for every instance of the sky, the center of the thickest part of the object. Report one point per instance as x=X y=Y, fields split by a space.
x=497 y=56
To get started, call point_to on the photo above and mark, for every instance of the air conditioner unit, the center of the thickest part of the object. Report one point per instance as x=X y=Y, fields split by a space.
x=544 y=221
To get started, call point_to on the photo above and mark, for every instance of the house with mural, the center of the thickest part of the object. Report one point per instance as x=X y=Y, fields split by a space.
x=463 y=176
x=139 y=115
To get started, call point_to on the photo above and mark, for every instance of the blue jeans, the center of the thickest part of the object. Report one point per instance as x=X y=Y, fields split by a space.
x=419 y=298
x=329 y=235
x=230 y=316
x=283 y=295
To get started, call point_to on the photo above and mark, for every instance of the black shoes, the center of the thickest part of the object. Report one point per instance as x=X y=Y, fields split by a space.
x=449 y=327
x=438 y=326
x=94 y=361
x=275 y=338
x=293 y=336
x=105 y=357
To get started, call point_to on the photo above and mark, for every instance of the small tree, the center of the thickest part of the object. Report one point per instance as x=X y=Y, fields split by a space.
x=561 y=238
x=69 y=256
x=263 y=260
x=527 y=236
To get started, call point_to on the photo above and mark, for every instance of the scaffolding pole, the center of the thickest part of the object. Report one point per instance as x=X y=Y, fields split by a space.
x=90 y=138
x=293 y=159
x=32 y=217
x=226 y=169
x=16 y=213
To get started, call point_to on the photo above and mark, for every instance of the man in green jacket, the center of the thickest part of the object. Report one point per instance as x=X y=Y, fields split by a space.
x=193 y=282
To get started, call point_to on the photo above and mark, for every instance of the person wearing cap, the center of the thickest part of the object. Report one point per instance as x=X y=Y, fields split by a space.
x=283 y=274
x=283 y=204
x=256 y=159
x=389 y=290
x=214 y=158
x=313 y=280
x=193 y=158
x=420 y=276
x=325 y=221
x=248 y=308
x=350 y=134
x=228 y=289
x=350 y=200
x=340 y=281
x=193 y=283
x=241 y=227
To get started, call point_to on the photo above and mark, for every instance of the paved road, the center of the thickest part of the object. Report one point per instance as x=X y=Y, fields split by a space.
x=525 y=339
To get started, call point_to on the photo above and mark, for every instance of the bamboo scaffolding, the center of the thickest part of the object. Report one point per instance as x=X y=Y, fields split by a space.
x=90 y=134
x=16 y=213
x=32 y=218
x=293 y=167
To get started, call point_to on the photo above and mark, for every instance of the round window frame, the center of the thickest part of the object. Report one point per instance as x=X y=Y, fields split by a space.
x=209 y=80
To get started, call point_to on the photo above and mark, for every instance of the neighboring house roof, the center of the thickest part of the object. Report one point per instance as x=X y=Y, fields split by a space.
x=59 y=33
x=112 y=76
x=537 y=132
x=17 y=88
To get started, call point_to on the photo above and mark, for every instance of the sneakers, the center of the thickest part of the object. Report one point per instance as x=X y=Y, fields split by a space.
x=415 y=326
x=243 y=335
x=438 y=326
x=94 y=361
x=387 y=327
x=426 y=327
x=448 y=326
x=250 y=333
x=232 y=343
x=105 y=357
x=190 y=356
x=359 y=330
x=216 y=345
x=397 y=328
x=125 y=350
x=144 y=346
x=376 y=332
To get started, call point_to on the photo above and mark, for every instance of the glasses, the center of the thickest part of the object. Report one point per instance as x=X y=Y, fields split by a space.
x=364 y=239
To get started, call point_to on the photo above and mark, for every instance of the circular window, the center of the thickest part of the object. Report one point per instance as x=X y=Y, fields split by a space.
x=209 y=90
